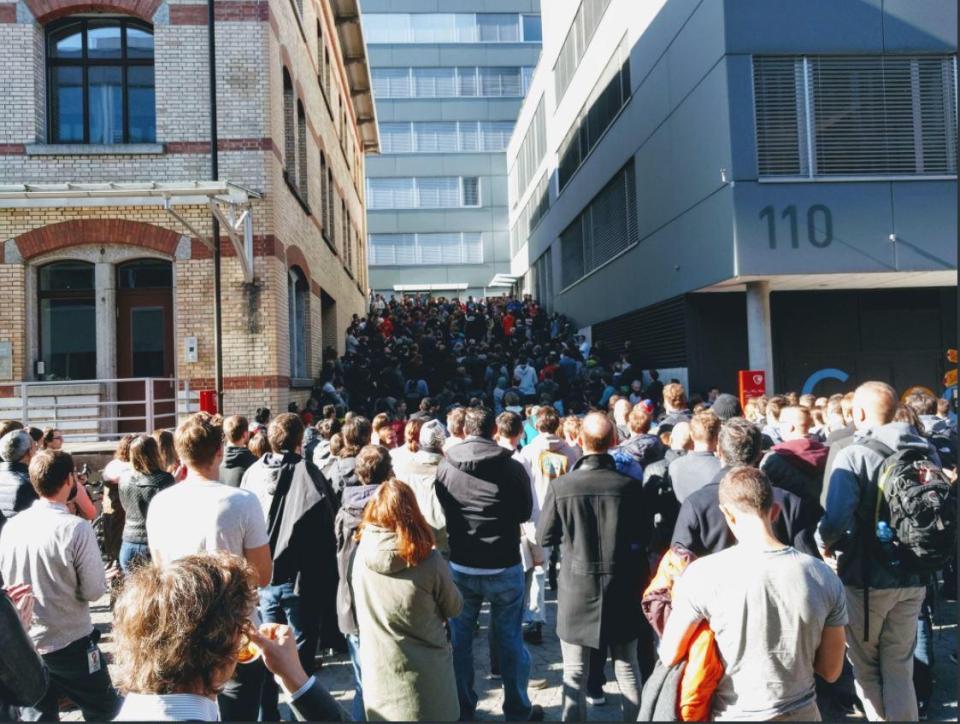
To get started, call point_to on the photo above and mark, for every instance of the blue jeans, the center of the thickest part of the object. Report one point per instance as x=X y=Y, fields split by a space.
x=504 y=591
x=279 y=604
x=353 y=647
x=133 y=554
x=923 y=660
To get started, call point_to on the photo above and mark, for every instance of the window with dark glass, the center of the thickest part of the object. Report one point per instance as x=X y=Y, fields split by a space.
x=298 y=291
x=100 y=80
x=68 y=325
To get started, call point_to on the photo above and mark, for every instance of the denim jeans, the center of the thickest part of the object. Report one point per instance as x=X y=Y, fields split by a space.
x=353 y=647
x=536 y=586
x=504 y=591
x=923 y=655
x=70 y=676
x=279 y=604
x=133 y=554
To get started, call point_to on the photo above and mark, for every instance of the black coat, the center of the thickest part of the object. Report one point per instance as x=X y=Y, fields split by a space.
x=16 y=492
x=702 y=529
x=485 y=495
x=602 y=523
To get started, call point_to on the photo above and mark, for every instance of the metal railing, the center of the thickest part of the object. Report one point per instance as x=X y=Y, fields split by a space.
x=120 y=406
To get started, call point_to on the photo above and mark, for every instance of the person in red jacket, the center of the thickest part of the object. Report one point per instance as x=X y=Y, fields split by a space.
x=508 y=322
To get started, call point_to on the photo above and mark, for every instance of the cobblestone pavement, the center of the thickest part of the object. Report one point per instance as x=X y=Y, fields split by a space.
x=337 y=675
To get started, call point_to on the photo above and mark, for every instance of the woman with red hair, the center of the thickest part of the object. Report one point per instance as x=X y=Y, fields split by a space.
x=404 y=594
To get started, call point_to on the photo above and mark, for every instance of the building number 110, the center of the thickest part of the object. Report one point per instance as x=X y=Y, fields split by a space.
x=819 y=225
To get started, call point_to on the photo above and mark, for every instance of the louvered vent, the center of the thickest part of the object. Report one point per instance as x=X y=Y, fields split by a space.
x=853 y=116
x=607 y=227
x=658 y=333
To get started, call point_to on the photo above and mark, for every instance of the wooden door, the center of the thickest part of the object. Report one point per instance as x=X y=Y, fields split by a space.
x=144 y=343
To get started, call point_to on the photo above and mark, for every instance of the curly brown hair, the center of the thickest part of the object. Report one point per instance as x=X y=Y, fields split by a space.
x=178 y=627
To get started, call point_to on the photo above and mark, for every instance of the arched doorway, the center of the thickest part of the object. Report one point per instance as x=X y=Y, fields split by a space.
x=145 y=339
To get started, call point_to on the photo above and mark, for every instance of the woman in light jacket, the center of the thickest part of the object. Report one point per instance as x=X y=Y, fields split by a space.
x=404 y=595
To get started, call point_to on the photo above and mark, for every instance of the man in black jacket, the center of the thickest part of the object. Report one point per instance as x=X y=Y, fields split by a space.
x=16 y=492
x=485 y=496
x=599 y=519
x=298 y=505
x=236 y=456
x=701 y=527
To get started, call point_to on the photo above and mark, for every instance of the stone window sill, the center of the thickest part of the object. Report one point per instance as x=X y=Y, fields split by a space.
x=301 y=383
x=94 y=149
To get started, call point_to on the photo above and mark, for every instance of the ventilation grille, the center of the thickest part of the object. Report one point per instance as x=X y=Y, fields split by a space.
x=830 y=116
x=658 y=334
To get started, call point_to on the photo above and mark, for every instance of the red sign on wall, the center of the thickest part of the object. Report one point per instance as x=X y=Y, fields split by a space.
x=753 y=383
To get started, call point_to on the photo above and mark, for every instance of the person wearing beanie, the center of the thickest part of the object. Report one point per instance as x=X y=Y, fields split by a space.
x=16 y=492
x=725 y=406
x=421 y=475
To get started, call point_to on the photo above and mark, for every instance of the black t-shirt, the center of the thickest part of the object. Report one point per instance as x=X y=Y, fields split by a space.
x=702 y=529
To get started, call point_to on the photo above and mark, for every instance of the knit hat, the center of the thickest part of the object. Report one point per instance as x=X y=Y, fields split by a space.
x=14 y=445
x=725 y=406
x=432 y=436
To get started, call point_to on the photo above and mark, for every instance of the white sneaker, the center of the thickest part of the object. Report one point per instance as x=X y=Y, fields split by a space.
x=597 y=700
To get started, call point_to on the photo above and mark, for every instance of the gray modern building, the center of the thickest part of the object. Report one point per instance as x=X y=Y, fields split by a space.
x=449 y=77
x=746 y=184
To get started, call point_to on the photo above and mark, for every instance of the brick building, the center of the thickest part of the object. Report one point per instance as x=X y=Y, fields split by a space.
x=106 y=199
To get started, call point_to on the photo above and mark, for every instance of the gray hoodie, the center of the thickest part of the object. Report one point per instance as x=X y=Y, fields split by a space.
x=848 y=526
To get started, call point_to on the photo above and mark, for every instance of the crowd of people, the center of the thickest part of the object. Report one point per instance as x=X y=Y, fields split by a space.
x=735 y=564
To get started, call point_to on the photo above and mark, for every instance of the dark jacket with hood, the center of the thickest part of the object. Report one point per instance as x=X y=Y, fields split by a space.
x=485 y=495
x=645 y=449
x=236 y=460
x=602 y=524
x=342 y=473
x=797 y=466
x=354 y=499
x=296 y=501
x=16 y=492
x=848 y=525
x=136 y=491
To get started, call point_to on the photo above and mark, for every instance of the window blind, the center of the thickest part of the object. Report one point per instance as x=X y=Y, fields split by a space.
x=870 y=115
x=439 y=248
x=604 y=229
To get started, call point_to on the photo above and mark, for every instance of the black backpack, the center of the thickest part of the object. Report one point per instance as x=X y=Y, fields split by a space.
x=919 y=503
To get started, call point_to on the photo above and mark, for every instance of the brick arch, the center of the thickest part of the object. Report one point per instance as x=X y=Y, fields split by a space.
x=46 y=10
x=295 y=257
x=285 y=60
x=78 y=232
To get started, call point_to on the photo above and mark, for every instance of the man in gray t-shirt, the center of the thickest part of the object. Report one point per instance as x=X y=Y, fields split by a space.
x=698 y=467
x=777 y=614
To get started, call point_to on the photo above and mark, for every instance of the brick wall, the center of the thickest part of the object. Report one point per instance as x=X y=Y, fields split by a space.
x=255 y=41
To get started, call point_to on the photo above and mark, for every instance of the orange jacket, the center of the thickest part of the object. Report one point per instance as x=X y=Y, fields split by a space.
x=704 y=668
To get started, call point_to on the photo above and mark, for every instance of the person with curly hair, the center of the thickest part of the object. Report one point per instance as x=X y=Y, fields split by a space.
x=182 y=630
x=202 y=514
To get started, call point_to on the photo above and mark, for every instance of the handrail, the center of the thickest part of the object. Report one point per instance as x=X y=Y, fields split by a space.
x=53 y=403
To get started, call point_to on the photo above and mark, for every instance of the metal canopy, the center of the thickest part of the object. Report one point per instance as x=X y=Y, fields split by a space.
x=503 y=280
x=229 y=202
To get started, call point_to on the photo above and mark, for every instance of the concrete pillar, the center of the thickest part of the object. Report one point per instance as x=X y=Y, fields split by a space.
x=106 y=320
x=759 y=336
x=105 y=284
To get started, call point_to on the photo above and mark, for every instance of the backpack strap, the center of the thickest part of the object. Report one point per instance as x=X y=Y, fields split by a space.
x=884 y=451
